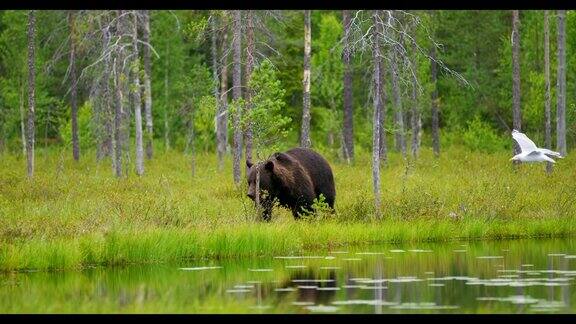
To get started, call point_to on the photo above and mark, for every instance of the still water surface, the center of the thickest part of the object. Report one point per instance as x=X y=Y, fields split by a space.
x=521 y=276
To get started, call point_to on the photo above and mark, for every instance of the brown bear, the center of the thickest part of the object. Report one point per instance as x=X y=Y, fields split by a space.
x=295 y=178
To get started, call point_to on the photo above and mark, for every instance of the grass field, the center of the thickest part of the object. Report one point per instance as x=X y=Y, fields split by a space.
x=73 y=215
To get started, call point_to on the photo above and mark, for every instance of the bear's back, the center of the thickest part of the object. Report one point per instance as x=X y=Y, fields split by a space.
x=319 y=171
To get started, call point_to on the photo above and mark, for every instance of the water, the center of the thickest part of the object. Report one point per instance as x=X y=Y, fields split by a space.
x=524 y=276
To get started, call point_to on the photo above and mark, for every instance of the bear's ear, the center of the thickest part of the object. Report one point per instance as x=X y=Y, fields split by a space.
x=269 y=165
x=282 y=157
x=249 y=164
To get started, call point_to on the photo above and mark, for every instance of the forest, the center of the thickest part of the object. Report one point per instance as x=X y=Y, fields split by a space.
x=124 y=133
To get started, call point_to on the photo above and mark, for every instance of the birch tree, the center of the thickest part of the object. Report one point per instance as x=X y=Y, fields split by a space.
x=517 y=118
x=136 y=95
x=166 y=100
x=383 y=151
x=222 y=116
x=73 y=84
x=147 y=84
x=547 y=103
x=561 y=86
x=23 y=119
x=348 y=132
x=416 y=119
x=118 y=97
x=101 y=97
x=216 y=90
x=250 y=52
x=377 y=90
x=398 y=38
x=305 y=132
x=434 y=103
x=31 y=94
x=237 y=93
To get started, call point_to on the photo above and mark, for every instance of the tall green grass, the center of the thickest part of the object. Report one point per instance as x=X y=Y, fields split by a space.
x=74 y=215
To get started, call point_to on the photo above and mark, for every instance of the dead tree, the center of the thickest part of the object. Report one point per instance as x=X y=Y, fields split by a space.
x=517 y=118
x=547 y=104
x=561 y=85
x=31 y=93
x=250 y=52
x=416 y=119
x=237 y=94
x=383 y=152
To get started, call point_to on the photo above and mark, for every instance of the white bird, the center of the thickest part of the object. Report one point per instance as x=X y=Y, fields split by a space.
x=529 y=151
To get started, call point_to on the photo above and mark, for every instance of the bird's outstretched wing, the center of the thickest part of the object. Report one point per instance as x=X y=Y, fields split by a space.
x=526 y=144
x=551 y=153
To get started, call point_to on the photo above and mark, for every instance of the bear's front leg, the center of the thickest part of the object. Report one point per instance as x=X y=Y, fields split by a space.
x=267 y=210
x=267 y=214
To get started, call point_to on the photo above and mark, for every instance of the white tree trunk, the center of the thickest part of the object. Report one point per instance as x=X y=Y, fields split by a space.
x=435 y=119
x=137 y=99
x=517 y=118
x=305 y=132
x=147 y=85
x=31 y=93
x=416 y=120
x=547 y=104
x=561 y=85
x=223 y=101
x=250 y=52
x=22 y=120
x=376 y=61
x=118 y=97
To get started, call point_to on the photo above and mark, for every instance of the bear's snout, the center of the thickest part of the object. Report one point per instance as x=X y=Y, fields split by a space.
x=251 y=193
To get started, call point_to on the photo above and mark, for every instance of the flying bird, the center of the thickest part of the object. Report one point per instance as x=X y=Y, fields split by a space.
x=529 y=151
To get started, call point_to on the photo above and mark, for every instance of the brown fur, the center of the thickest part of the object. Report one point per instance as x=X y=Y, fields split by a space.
x=294 y=178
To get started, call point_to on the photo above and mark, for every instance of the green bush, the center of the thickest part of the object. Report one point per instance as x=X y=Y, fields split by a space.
x=480 y=136
x=85 y=132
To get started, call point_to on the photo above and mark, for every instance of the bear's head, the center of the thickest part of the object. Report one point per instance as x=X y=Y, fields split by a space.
x=271 y=173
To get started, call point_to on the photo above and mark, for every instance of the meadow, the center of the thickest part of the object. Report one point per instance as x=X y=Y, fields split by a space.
x=77 y=215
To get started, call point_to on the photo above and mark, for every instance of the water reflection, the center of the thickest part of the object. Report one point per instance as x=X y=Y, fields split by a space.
x=480 y=277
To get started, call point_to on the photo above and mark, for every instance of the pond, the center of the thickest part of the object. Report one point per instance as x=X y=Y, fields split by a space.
x=515 y=276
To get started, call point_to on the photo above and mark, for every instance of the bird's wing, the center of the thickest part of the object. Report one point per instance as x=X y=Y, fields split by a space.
x=534 y=153
x=526 y=144
x=538 y=156
x=551 y=153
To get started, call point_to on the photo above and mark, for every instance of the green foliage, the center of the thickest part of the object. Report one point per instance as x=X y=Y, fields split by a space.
x=204 y=123
x=85 y=131
x=328 y=69
x=266 y=118
x=480 y=136
x=327 y=87
x=196 y=30
x=182 y=81
x=320 y=212
x=50 y=108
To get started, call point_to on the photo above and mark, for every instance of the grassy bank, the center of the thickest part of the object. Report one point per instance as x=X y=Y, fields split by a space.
x=77 y=214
